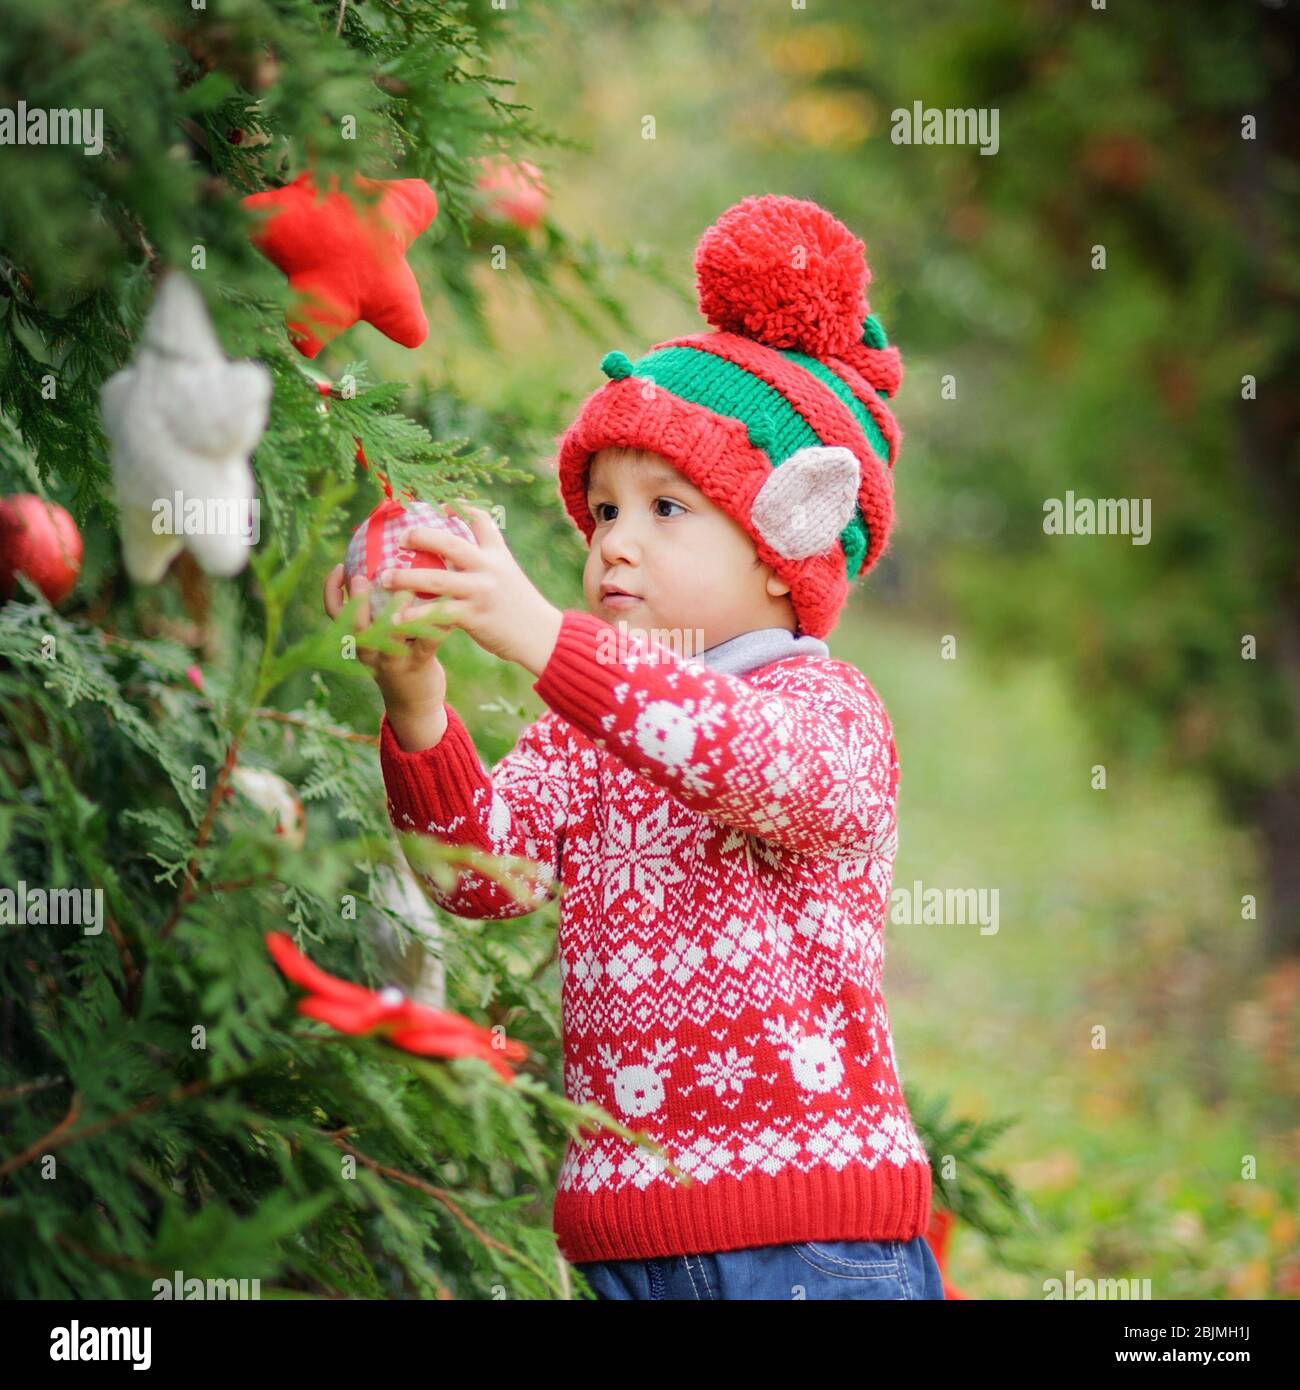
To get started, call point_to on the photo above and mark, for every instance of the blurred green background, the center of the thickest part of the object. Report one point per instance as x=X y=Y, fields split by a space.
x=1164 y=908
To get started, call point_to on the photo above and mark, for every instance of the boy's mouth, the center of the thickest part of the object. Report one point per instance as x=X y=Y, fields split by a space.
x=611 y=596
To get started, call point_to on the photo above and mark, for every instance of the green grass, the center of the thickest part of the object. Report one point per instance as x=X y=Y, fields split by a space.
x=1119 y=909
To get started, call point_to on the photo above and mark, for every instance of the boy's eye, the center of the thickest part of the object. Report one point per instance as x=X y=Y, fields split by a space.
x=607 y=511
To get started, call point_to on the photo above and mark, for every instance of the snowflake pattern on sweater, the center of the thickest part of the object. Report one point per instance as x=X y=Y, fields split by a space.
x=724 y=847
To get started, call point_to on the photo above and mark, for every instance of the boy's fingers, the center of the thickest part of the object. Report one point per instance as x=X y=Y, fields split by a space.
x=360 y=585
x=444 y=583
x=445 y=543
x=446 y=615
x=422 y=648
x=387 y=660
x=484 y=527
x=427 y=609
x=333 y=594
x=435 y=614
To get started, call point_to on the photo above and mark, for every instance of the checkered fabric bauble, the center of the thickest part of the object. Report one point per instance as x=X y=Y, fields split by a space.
x=374 y=546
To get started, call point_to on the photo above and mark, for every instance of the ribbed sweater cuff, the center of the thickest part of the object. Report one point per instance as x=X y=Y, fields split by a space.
x=667 y=1218
x=574 y=682
x=435 y=784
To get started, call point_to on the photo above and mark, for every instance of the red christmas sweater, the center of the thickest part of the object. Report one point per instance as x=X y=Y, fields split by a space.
x=723 y=847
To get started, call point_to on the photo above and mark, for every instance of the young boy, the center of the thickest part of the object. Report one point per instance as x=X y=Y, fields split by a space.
x=713 y=793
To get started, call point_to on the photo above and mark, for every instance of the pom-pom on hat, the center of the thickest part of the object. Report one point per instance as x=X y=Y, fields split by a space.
x=779 y=415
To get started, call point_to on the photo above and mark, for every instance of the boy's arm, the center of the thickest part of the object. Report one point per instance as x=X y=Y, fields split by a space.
x=811 y=767
x=520 y=808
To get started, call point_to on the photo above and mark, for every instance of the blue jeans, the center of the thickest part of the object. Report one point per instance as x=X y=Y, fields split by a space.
x=822 y=1269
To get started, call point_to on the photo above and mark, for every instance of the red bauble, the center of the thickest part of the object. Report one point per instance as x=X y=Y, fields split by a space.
x=514 y=191
x=374 y=546
x=346 y=260
x=38 y=539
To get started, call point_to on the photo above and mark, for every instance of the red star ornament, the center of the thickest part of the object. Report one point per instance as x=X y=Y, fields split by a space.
x=347 y=262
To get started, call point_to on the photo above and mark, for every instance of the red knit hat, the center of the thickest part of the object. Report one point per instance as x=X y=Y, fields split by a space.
x=779 y=416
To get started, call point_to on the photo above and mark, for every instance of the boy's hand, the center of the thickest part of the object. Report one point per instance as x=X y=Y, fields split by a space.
x=487 y=594
x=412 y=682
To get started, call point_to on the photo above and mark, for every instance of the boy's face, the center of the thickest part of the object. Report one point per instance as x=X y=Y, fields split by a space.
x=685 y=563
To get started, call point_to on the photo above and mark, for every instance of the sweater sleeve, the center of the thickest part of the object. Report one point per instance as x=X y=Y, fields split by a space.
x=811 y=766
x=519 y=809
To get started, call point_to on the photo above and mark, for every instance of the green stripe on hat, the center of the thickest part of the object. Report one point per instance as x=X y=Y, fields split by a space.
x=855 y=536
x=706 y=379
x=703 y=378
x=875 y=435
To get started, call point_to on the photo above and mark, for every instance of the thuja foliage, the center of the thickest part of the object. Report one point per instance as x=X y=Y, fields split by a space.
x=163 y=1106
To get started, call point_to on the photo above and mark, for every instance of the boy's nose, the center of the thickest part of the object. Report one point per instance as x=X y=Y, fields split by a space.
x=620 y=542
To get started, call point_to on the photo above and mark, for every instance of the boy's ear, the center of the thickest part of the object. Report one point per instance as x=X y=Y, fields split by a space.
x=809 y=499
x=776 y=586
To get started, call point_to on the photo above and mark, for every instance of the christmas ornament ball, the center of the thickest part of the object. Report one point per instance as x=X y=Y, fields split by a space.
x=269 y=792
x=41 y=540
x=374 y=546
x=512 y=191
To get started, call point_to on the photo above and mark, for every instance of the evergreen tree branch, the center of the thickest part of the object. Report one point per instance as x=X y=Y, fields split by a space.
x=189 y=882
x=53 y=1140
x=99 y=734
x=27 y=1088
x=439 y=1194
x=333 y=730
x=59 y=1137
x=237 y=885
x=130 y=970
x=145 y=1271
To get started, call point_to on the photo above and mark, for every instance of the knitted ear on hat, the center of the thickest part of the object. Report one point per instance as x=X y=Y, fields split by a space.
x=806 y=503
